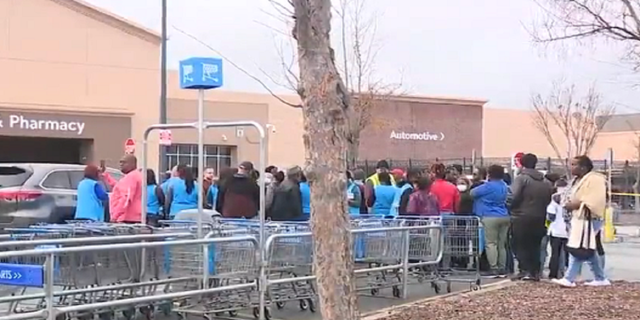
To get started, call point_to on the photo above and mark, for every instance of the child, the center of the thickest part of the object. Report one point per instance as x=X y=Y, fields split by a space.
x=558 y=231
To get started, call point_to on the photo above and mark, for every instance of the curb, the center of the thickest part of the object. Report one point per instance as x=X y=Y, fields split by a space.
x=390 y=311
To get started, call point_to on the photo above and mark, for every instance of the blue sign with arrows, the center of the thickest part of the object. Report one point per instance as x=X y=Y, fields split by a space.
x=201 y=73
x=22 y=275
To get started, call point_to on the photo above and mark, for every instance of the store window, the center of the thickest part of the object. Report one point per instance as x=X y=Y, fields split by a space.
x=217 y=157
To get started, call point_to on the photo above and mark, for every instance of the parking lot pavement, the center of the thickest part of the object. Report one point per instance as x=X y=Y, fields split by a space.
x=369 y=304
x=622 y=260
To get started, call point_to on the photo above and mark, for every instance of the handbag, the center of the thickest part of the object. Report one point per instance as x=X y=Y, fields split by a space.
x=584 y=252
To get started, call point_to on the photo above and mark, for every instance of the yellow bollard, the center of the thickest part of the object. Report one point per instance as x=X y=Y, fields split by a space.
x=609 y=229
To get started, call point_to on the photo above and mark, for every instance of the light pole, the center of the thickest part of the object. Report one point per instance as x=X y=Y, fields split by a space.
x=162 y=162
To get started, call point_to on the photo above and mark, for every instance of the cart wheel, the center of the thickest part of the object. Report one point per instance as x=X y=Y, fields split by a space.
x=374 y=292
x=280 y=305
x=267 y=313
x=435 y=287
x=312 y=305
x=448 y=287
x=475 y=287
x=233 y=313
x=128 y=314
x=303 y=305
x=396 y=292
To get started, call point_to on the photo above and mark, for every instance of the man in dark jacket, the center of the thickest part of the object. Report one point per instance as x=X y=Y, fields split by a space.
x=531 y=193
x=287 y=199
x=240 y=196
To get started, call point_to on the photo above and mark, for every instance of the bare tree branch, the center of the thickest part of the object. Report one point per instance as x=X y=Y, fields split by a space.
x=579 y=20
x=355 y=57
x=578 y=119
x=247 y=73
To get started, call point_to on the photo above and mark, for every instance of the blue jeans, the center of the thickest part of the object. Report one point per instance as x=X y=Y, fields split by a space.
x=575 y=266
x=595 y=261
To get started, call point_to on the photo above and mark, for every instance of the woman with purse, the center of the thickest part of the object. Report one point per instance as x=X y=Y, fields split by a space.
x=586 y=203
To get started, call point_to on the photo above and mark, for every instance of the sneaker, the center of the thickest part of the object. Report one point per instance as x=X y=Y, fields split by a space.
x=564 y=282
x=598 y=283
x=503 y=274
x=518 y=276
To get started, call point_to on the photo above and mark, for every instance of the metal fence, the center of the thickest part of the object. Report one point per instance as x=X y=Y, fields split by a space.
x=467 y=164
x=624 y=175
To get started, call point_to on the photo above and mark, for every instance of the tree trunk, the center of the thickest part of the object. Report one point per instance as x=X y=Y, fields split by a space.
x=325 y=102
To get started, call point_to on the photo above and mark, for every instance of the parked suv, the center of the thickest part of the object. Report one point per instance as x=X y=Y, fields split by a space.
x=40 y=192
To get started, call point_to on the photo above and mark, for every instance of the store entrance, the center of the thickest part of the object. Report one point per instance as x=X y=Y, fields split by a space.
x=44 y=150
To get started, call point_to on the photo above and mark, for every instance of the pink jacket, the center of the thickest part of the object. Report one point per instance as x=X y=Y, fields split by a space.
x=125 y=202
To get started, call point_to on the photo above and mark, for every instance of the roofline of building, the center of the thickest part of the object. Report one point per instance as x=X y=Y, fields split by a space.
x=441 y=100
x=112 y=19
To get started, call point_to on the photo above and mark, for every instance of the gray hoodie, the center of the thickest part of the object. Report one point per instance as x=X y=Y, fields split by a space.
x=531 y=193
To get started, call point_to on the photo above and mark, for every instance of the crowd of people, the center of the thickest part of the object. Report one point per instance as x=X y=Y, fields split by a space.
x=525 y=215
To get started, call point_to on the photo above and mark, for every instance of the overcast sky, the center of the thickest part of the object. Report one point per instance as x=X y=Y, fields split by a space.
x=463 y=48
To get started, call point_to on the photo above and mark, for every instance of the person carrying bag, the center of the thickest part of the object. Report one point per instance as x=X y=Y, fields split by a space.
x=586 y=203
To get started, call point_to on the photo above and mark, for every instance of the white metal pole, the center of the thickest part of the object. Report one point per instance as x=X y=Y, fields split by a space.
x=200 y=160
x=143 y=211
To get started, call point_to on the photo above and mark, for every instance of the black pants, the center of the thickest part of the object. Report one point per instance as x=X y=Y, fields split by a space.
x=527 y=236
x=557 y=251
x=510 y=254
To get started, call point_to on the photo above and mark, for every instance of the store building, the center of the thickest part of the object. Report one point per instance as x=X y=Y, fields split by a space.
x=414 y=127
x=76 y=82
x=507 y=131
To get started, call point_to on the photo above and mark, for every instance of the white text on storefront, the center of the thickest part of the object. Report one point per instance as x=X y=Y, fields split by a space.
x=422 y=136
x=23 y=123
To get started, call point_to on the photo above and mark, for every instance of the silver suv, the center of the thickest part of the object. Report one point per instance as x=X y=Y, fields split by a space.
x=40 y=192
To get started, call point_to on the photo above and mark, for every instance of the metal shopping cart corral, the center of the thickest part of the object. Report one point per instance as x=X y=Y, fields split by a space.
x=89 y=309
x=83 y=277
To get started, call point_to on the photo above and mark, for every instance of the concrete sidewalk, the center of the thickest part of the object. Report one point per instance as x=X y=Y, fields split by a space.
x=623 y=259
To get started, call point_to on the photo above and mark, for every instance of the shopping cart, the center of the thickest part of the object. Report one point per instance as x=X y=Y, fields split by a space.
x=463 y=245
x=291 y=256
x=232 y=262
